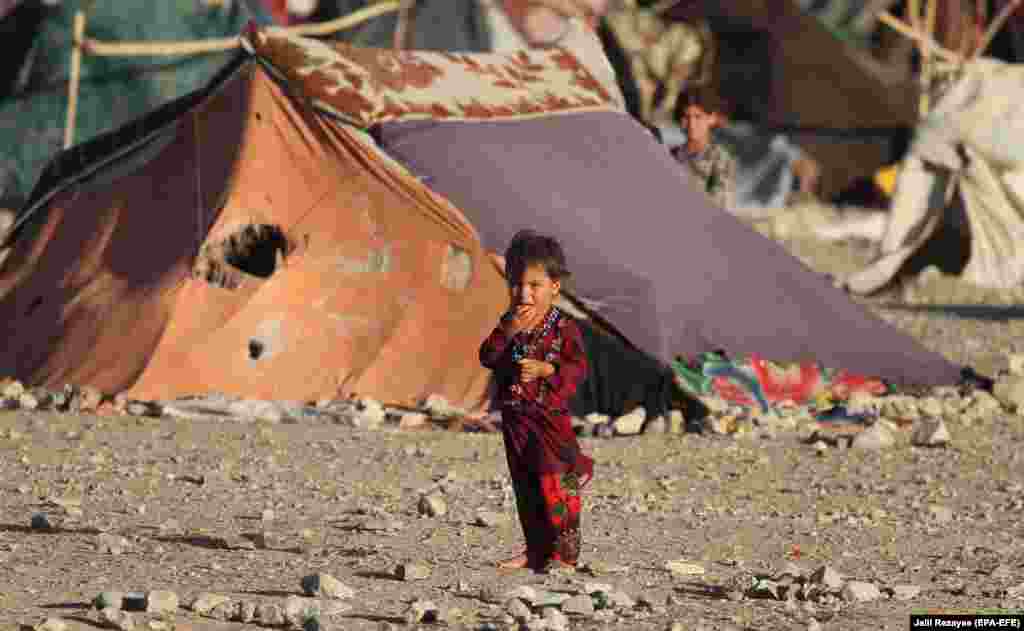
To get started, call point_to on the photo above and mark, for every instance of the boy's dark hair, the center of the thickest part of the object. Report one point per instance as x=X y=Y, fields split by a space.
x=705 y=97
x=529 y=247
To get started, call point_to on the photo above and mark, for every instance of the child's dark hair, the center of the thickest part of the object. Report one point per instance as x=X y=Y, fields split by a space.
x=707 y=98
x=529 y=247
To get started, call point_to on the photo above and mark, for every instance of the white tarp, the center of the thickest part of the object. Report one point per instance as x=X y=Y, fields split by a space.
x=974 y=136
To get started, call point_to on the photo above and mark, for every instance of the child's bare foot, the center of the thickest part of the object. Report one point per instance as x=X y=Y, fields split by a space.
x=517 y=562
x=557 y=566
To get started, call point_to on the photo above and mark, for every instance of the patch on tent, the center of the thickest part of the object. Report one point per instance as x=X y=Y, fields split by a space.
x=753 y=381
x=456 y=268
x=268 y=340
x=253 y=250
x=378 y=260
x=367 y=86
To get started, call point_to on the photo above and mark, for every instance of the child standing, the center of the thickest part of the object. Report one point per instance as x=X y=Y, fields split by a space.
x=537 y=355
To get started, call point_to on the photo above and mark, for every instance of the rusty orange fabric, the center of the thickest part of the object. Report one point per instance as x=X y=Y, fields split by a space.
x=382 y=289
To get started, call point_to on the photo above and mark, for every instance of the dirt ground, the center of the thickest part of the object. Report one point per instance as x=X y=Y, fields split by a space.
x=345 y=501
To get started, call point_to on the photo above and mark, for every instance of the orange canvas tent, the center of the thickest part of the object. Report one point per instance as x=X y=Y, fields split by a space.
x=246 y=244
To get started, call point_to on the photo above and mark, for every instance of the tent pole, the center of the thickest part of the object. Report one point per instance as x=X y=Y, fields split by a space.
x=927 y=60
x=995 y=26
x=76 y=74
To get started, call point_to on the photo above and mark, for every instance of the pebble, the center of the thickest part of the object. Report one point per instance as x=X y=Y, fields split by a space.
x=518 y=610
x=413 y=420
x=1010 y=392
x=930 y=432
x=581 y=605
x=489 y=519
x=905 y=592
x=657 y=425
x=940 y=514
x=422 y=611
x=270 y=614
x=40 y=521
x=161 y=601
x=432 y=505
x=246 y=611
x=631 y=423
x=52 y=624
x=684 y=568
x=875 y=438
x=555 y=619
x=204 y=603
x=267 y=515
x=117 y=619
x=827 y=577
x=297 y=610
x=861 y=592
x=412 y=572
x=107 y=543
x=326 y=586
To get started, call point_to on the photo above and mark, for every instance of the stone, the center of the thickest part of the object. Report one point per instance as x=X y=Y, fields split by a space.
x=247 y=611
x=676 y=422
x=267 y=515
x=581 y=605
x=814 y=625
x=224 y=611
x=1015 y=364
x=108 y=599
x=412 y=572
x=161 y=601
x=905 y=592
x=413 y=420
x=297 y=610
x=550 y=599
x=117 y=619
x=326 y=586
x=270 y=614
x=940 y=514
x=523 y=592
x=555 y=619
x=432 y=505
x=590 y=588
x=860 y=592
x=828 y=578
x=930 y=432
x=438 y=407
x=28 y=401
x=107 y=543
x=631 y=423
x=422 y=611
x=1010 y=392
x=875 y=438
x=204 y=603
x=51 y=624
x=40 y=521
x=620 y=600
x=657 y=425
x=490 y=519
x=518 y=610
x=684 y=568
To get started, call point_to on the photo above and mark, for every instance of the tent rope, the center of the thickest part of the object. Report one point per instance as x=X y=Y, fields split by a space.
x=200 y=219
x=101 y=48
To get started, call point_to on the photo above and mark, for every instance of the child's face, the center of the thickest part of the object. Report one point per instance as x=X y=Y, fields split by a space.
x=698 y=123
x=534 y=288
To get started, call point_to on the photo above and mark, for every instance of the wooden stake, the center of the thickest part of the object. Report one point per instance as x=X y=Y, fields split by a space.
x=902 y=28
x=75 y=78
x=995 y=26
x=927 y=60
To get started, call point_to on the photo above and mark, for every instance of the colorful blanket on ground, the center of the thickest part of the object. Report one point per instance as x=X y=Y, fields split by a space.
x=756 y=382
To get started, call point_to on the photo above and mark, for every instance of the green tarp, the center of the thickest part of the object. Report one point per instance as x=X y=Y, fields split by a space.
x=114 y=90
